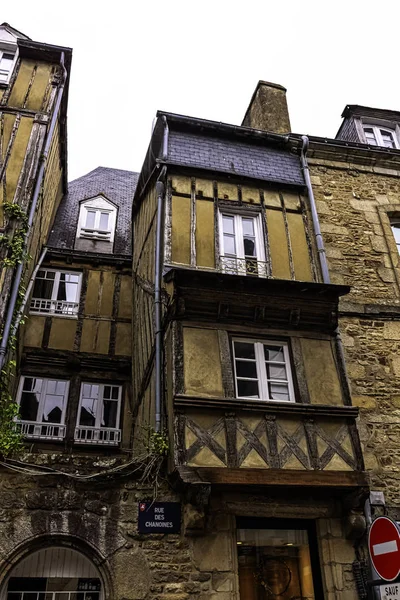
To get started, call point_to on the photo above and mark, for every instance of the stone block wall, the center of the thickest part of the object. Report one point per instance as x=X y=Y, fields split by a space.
x=355 y=205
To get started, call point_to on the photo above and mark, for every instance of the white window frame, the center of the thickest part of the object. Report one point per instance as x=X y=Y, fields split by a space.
x=4 y=50
x=108 y=436
x=236 y=264
x=58 y=308
x=98 y=205
x=395 y=224
x=40 y=429
x=377 y=131
x=262 y=377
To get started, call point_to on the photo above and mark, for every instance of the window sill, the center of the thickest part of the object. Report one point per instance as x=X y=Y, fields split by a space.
x=266 y=406
x=52 y=314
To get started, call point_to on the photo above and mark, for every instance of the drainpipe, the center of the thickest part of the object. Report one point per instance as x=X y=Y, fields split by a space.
x=35 y=197
x=160 y=191
x=28 y=292
x=322 y=259
x=314 y=213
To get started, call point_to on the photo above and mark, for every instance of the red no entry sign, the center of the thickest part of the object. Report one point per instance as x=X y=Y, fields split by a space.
x=384 y=548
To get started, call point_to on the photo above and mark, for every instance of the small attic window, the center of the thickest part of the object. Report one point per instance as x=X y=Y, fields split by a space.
x=97 y=220
x=379 y=136
x=7 y=59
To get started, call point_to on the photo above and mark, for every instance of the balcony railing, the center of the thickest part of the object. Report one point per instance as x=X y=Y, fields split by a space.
x=40 y=431
x=95 y=234
x=243 y=266
x=56 y=307
x=63 y=595
x=98 y=435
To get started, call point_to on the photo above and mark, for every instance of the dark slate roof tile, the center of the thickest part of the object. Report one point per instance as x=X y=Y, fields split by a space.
x=116 y=185
x=231 y=156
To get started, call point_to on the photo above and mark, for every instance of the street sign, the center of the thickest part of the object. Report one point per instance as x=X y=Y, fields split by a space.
x=384 y=548
x=159 y=517
x=390 y=591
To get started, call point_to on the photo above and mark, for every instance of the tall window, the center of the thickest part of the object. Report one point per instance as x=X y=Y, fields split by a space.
x=56 y=292
x=378 y=136
x=42 y=406
x=6 y=65
x=396 y=233
x=99 y=414
x=97 y=220
x=262 y=370
x=241 y=244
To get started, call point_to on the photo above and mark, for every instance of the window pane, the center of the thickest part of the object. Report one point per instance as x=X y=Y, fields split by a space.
x=30 y=398
x=244 y=350
x=246 y=369
x=278 y=391
x=115 y=392
x=54 y=401
x=276 y=371
x=277 y=560
x=247 y=389
x=229 y=245
x=228 y=224
x=249 y=247
x=90 y=218
x=88 y=412
x=396 y=233
x=387 y=139
x=104 y=221
x=370 y=136
x=110 y=410
x=248 y=227
x=68 y=287
x=274 y=353
x=6 y=62
x=43 y=287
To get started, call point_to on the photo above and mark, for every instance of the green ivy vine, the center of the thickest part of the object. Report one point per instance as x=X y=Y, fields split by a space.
x=15 y=245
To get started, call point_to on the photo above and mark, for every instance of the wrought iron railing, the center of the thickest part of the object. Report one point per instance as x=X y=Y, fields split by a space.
x=63 y=595
x=97 y=435
x=40 y=431
x=57 y=307
x=243 y=266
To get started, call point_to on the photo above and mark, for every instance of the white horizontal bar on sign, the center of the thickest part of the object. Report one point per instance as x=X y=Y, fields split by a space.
x=385 y=548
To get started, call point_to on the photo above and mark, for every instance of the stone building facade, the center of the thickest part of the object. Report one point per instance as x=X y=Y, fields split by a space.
x=245 y=346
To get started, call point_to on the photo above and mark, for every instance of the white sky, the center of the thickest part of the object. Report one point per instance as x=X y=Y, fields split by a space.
x=204 y=59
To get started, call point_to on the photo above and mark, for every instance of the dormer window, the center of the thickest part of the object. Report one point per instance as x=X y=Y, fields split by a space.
x=378 y=136
x=6 y=65
x=97 y=220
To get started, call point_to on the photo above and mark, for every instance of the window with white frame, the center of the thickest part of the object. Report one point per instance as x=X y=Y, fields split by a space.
x=242 y=244
x=7 y=59
x=380 y=136
x=97 y=220
x=262 y=370
x=99 y=414
x=42 y=407
x=56 y=292
x=395 y=225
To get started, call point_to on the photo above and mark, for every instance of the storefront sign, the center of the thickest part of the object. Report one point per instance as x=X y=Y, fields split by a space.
x=390 y=591
x=159 y=517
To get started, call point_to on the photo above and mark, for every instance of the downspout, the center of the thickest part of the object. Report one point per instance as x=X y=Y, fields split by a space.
x=160 y=192
x=322 y=258
x=28 y=292
x=39 y=180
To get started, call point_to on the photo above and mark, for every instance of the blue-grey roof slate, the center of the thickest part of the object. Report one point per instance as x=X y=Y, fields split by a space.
x=234 y=157
x=116 y=185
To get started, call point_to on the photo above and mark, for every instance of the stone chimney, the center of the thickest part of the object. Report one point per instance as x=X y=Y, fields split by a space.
x=268 y=109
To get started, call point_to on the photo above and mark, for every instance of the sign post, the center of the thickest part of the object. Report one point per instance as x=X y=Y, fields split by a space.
x=384 y=550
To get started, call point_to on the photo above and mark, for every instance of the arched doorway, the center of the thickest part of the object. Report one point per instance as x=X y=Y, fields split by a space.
x=54 y=573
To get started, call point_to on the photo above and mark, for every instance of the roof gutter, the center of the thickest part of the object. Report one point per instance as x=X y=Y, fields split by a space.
x=36 y=192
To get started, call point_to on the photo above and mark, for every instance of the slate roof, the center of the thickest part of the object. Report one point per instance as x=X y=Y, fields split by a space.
x=234 y=157
x=116 y=185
